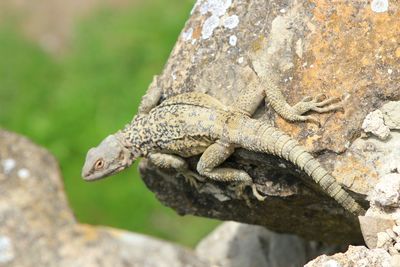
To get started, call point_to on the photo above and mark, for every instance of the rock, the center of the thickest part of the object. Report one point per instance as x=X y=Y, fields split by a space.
x=374 y=123
x=371 y=226
x=391 y=114
x=386 y=193
x=37 y=228
x=240 y=245
x=355 y=256
x=307 y=48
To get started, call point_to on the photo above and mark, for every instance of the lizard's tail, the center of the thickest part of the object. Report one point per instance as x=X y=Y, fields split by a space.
x=273 y=141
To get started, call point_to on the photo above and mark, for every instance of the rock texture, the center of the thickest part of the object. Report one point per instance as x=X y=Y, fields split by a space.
x=339 y=48
x=37 y=228
x=356 y=257
x=241 y=245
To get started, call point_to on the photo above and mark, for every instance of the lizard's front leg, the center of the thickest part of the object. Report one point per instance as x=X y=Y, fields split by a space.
x=213 y=156
x=175 y=162
x=151 y=98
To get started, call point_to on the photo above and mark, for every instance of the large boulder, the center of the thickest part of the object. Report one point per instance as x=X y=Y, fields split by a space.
x=347 y=49
x=37 y=228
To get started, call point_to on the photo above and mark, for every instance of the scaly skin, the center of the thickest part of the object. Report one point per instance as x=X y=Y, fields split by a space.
x=194 y=123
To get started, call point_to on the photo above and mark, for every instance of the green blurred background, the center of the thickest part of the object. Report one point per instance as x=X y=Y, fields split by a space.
x=67 y=81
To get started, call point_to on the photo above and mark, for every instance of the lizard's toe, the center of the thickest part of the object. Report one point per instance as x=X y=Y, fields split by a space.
x=257 y=194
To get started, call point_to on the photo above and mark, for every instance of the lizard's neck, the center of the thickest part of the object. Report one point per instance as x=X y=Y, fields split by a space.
x=132 y=137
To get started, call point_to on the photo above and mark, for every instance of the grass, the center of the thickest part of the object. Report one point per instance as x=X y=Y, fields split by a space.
x=71 y=104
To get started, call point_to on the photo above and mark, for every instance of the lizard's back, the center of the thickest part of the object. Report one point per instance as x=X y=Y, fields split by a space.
x=186 y=124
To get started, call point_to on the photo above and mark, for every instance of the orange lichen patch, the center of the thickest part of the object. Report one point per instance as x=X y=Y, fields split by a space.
x=355 y=173
x=196 y=32
x=397 y=52
x=292 y=128
x=89 y=232
x=350 y=52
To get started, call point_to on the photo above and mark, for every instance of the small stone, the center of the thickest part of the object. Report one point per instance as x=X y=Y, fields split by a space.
x=386 y=192
x=374 y=124
x=390 y=71
x=397 y=246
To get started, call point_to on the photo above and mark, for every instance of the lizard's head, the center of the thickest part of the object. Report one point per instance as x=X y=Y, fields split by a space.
x=109 y=157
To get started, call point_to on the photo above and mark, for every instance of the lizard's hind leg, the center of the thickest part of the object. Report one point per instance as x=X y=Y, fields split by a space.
x=216 y=154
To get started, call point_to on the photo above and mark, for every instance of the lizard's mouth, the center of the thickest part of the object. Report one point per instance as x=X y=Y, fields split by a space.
x=91 y=176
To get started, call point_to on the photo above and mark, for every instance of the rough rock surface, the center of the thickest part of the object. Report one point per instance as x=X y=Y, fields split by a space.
x=241 y=245
x=340 y=48
x=356 y=257
x=37 y=227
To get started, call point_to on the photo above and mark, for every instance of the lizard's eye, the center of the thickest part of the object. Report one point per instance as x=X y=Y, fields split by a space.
x=99 y=164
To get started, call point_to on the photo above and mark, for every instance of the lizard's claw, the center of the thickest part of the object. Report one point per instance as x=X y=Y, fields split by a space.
x=320 y=104
x=257 y=194
x=240 y=192
x=192 y=178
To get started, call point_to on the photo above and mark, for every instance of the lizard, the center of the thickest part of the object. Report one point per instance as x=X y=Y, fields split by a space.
x=194 y=123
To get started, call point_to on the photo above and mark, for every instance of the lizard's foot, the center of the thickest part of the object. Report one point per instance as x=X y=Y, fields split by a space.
x=319 y=104
x=240 y=189
x=192 y=178
x=256 y=193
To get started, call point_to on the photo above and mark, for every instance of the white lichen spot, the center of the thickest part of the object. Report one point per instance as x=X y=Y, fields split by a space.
x=173 y=76
x=390 y=71
x=232 y=40
x=6 y=250
x=215 y=7
x=23 y=173
x=374 y=123
x=231 y=22
x=380 y=6
x=209 y=26
x=240 y=60
x=282 y=10
x=331 y=263
x=8 y=165
x=187 y=35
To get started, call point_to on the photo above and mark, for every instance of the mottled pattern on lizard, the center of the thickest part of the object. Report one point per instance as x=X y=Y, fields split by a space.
x=194 y=123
